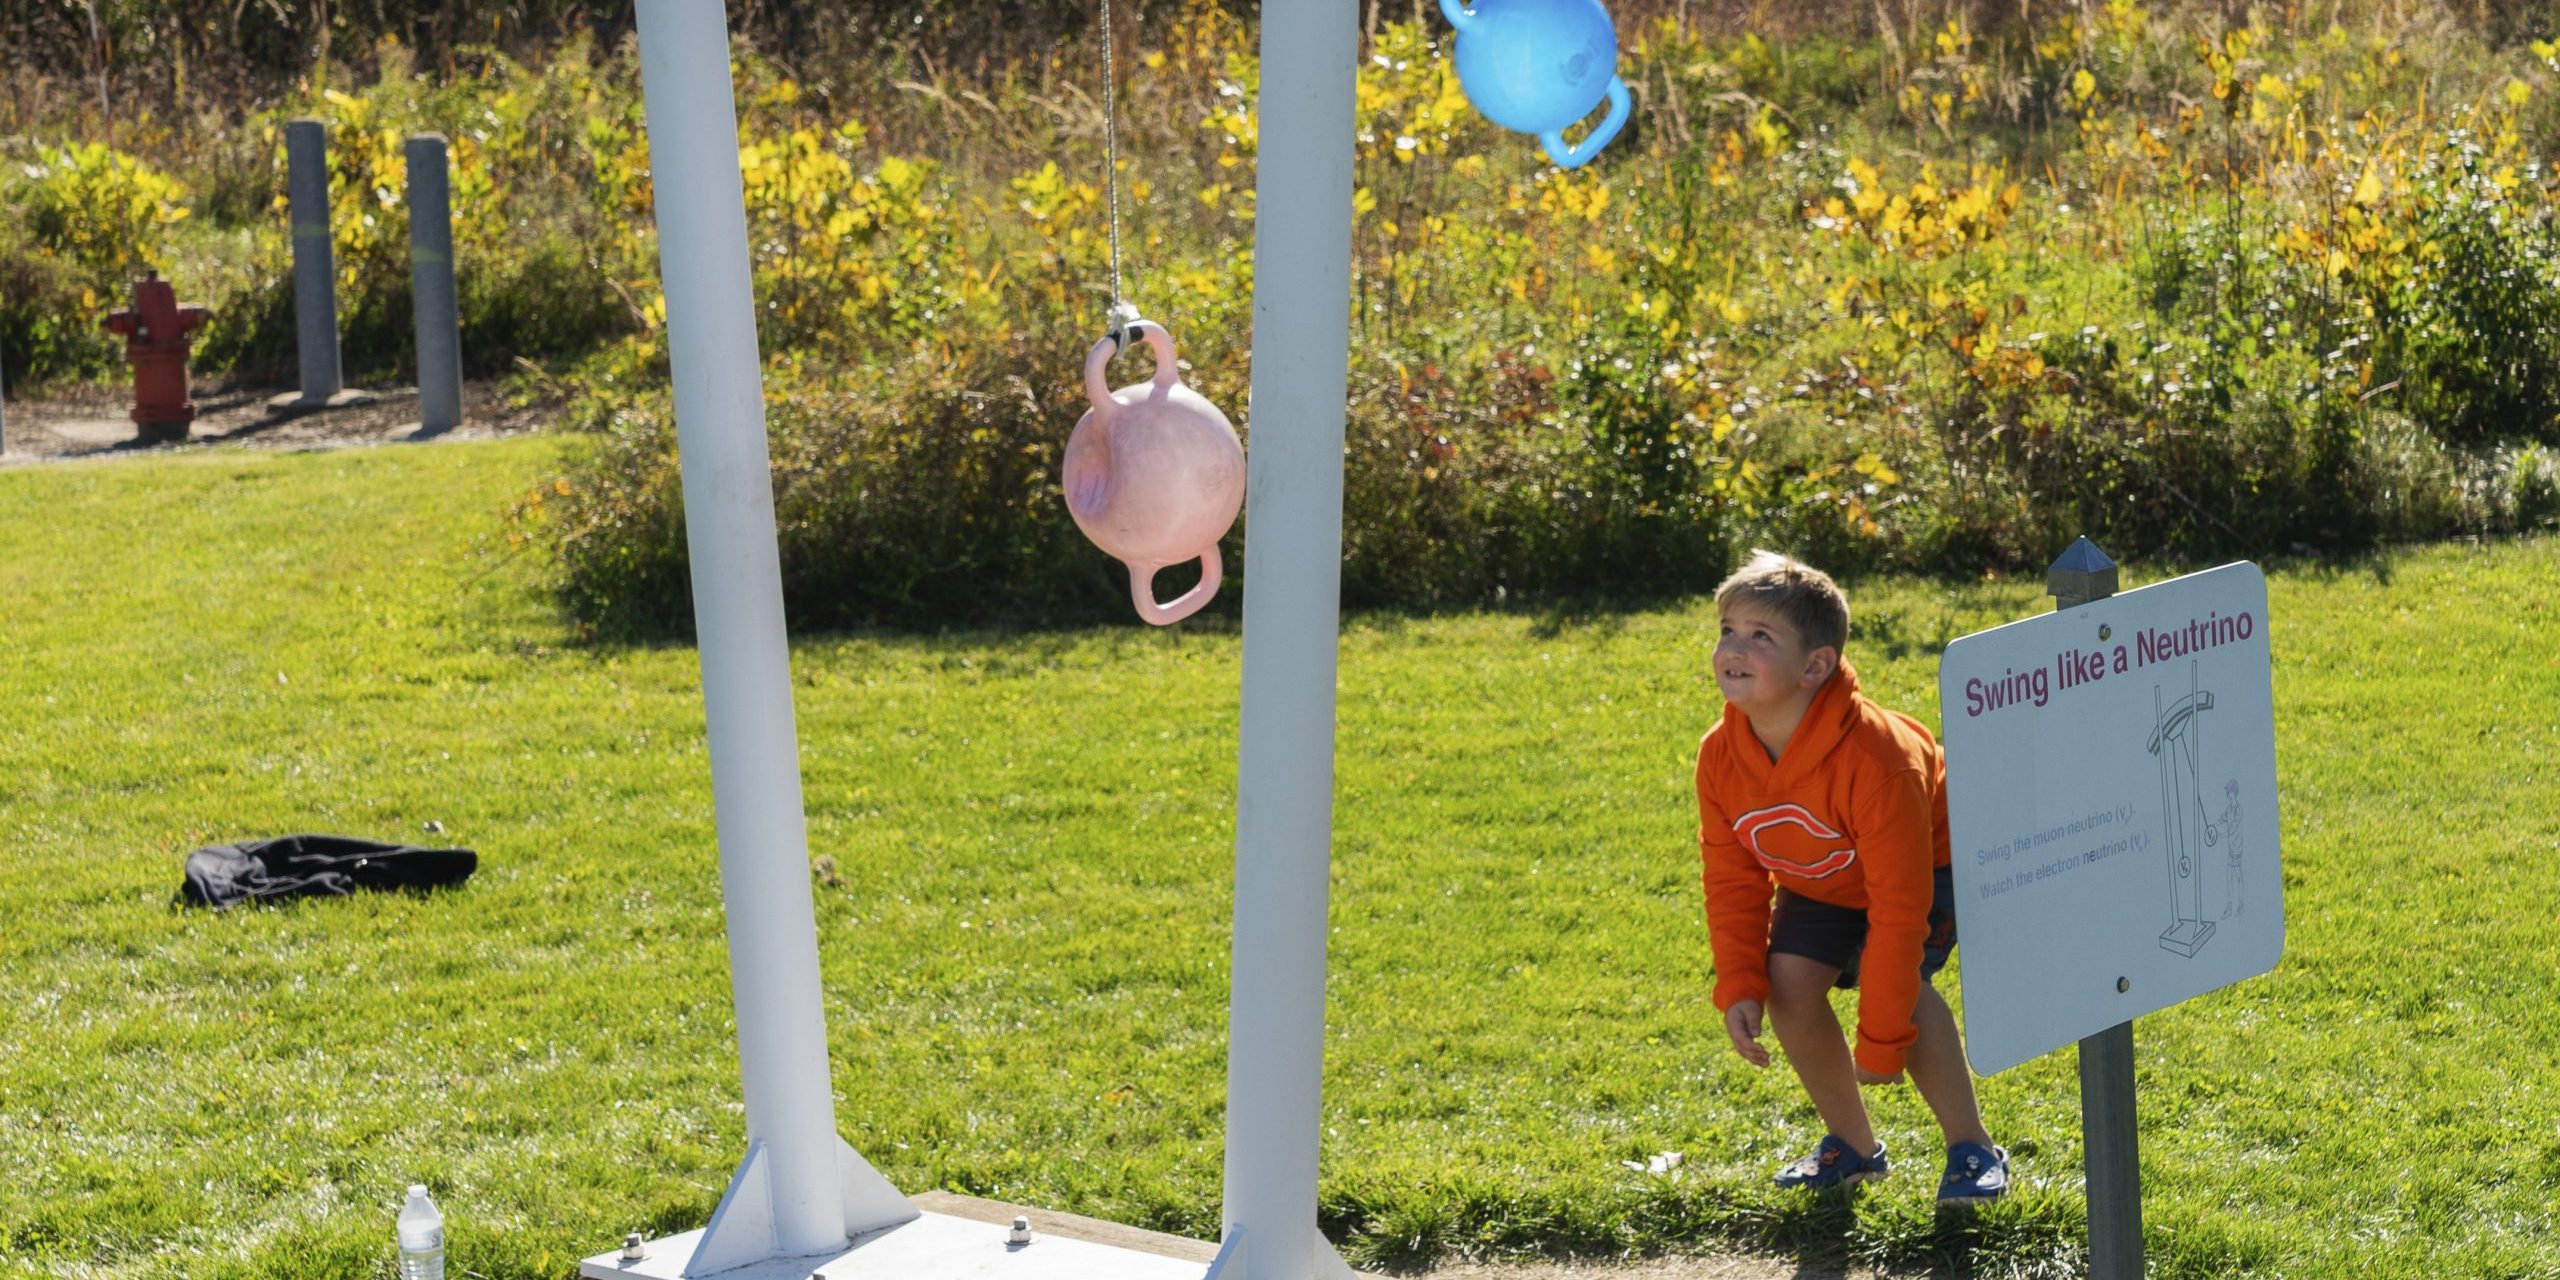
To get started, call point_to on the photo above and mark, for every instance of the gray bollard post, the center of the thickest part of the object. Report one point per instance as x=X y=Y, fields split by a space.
x=439 y=324
x=315 y=273
x=315 y=269
x=2109 y=1138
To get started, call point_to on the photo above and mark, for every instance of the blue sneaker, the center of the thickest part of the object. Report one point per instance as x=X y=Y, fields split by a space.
x=1834 y=1164
x=1975 y=1174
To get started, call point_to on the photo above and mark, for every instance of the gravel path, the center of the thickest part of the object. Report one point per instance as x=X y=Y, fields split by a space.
x=92 y=422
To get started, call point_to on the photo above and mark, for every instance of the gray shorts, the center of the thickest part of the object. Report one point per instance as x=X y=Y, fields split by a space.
x=1837 y=936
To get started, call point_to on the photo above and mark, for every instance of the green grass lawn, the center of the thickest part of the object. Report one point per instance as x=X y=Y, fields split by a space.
x=1025 y=940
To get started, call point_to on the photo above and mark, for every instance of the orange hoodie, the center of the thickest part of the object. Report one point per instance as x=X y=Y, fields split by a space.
x=1854 y=813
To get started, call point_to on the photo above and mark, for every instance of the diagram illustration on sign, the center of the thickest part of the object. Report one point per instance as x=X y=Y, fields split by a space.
x=2189 y=829
x=2228 y=831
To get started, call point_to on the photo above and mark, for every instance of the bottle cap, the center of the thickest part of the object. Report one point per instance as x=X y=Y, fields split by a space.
x=417 y=1189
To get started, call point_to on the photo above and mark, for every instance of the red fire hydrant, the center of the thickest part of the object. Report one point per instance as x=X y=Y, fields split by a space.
x=157 y=335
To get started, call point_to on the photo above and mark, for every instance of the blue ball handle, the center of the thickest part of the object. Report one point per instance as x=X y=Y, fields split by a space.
x=1458 y=14
x=1575 y=156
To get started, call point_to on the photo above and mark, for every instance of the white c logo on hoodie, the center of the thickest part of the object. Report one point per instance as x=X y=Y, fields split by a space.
x=1806 y=853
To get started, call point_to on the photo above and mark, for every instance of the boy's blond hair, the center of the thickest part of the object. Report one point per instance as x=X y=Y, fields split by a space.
x=1802 y=596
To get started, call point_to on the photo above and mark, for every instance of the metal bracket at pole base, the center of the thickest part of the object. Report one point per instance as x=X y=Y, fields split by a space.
x=1229 y=1264
x=741 y=1228
x=1330 y=1266
x=1232 y=1262
x=742 y=1231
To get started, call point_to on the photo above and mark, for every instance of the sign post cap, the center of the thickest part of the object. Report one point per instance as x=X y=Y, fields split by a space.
x=2082 y=573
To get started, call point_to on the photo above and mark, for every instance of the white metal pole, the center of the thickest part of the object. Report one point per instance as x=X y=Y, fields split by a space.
x=737 y=593
x=1292 y=611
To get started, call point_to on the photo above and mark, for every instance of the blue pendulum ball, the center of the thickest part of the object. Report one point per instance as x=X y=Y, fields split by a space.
x=1538 y=65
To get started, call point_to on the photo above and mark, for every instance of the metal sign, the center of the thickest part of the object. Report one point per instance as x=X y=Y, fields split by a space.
x=2111 y=795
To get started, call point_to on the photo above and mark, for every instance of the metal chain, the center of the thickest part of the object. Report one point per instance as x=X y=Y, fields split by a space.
x=1121 y=315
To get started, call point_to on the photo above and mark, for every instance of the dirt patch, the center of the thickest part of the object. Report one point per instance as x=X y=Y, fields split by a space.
x=93 y=422
x=1047 y=1222
x=1655 y=1269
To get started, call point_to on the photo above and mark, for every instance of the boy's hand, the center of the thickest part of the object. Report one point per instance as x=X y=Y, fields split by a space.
x=1742 y=1026
x=1868 y=1077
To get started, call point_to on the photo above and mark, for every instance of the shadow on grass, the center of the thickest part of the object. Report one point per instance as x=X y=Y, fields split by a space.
x=1820 y=1231
x=1827 y=1240
x=1836 y=1235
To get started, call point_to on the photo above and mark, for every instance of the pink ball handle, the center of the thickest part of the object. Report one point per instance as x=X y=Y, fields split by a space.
x=1142 y=576
x=1158 y=341
x=1142 y=590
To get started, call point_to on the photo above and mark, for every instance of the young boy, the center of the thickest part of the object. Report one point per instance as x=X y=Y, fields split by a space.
x=1809 y=789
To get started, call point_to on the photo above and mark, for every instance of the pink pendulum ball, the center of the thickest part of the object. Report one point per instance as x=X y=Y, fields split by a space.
x=1154 y=475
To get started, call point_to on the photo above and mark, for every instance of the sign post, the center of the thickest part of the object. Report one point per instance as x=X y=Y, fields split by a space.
x=2112 y=805
x=2110 y=1141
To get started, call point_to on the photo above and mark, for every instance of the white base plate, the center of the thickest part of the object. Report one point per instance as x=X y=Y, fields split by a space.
x=933 y=1247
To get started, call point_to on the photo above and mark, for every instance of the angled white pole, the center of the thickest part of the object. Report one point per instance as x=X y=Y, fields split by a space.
x=799 y=1191
x=1292 y=614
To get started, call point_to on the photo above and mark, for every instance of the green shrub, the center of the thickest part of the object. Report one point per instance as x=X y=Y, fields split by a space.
x=2510 y=489
x=48 y=310
x=904 y=496
x=911 y=496
x=2476 y=329
x=102 y=209
x=83 y=222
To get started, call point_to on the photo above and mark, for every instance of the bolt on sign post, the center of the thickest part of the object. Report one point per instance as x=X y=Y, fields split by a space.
x=2111 y=799
x=438 y=322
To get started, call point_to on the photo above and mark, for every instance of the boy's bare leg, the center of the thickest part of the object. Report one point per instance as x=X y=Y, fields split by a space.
x=1800 y=1006
x=1939 y=1070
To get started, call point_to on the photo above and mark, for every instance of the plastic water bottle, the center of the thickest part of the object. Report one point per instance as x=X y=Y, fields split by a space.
x=421 y=1237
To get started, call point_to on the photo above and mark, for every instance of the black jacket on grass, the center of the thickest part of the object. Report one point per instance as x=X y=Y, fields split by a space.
x=225 y=875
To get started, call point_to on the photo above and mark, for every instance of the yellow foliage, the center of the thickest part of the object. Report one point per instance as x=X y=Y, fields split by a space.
x=1583 y=194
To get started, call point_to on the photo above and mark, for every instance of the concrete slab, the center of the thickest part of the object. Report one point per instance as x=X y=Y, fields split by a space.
x=949 y=1246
